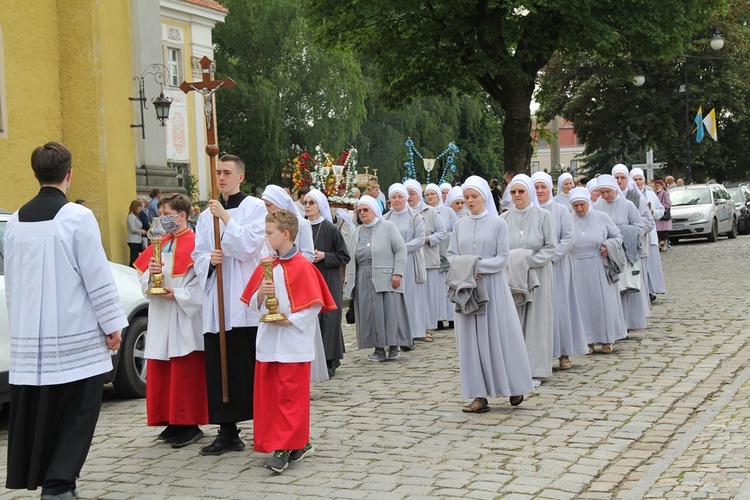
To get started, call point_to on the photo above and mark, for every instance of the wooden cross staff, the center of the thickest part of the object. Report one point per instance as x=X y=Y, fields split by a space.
x=207 y=88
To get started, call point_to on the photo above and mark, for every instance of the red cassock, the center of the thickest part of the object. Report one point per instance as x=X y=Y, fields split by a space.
x=281 y=410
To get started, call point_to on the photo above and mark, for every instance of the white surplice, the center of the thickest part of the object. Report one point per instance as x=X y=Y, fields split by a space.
x=175 y=327
x=52 y=268
x=242 y=242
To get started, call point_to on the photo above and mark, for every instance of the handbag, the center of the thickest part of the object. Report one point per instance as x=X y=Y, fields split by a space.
x=350 y=315
x=667 y=214
x=630 y=278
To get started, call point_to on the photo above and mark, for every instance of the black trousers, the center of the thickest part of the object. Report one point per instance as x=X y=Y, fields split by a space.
x=50 y=429
x=240 y=375
x=135 y=250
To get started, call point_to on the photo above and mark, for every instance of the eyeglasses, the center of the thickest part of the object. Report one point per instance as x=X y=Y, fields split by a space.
x=309 y=203
x=517 y=191
x=363 y=210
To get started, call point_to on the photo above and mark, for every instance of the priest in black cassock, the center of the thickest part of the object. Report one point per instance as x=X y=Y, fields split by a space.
x=60 y=339
x=331 y=258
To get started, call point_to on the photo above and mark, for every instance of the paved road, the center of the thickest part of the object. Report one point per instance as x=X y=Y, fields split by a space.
x=665 y=416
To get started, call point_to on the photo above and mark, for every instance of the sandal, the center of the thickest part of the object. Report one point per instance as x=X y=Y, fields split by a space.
x=606 y=348
x=565 y=363
x=591 y=348
x=516 y=400
x=479 y=405
x=428 y=337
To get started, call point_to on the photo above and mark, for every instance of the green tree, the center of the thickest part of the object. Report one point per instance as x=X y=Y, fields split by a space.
x=427 y=47
x=291 y=93
x=618 y=121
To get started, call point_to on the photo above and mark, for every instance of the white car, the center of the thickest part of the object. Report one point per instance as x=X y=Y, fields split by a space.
x=129 y=373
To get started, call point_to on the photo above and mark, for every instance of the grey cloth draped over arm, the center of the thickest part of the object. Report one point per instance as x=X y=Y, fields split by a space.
x=522 y=279
x=468 y=293
x=614 y=264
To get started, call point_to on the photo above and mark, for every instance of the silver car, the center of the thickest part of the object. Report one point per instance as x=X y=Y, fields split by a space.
x=702 y=211
x=129 y=373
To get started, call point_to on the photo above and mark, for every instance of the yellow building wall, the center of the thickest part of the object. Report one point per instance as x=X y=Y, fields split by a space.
x=32 y=93
x=68 y=79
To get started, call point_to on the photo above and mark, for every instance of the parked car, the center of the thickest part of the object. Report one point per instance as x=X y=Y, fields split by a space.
x=702 y=211
x=741 y=196
x=129 y=372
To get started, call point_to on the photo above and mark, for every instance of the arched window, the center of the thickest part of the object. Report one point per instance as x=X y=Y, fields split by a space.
x=3 y=107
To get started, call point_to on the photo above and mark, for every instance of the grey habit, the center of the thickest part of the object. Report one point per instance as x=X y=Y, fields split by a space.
x=410 y=225
x=569 y=334
x=445 y=308
x=533 y=229
x=436 y=231
x=599 y=299
x=380 y=310
x=624 y=212
x=491 y=349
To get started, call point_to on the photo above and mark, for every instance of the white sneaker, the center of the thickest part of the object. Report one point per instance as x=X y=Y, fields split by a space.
x=537 y=382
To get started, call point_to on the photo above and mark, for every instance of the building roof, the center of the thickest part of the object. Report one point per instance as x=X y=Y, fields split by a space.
x=211 y=4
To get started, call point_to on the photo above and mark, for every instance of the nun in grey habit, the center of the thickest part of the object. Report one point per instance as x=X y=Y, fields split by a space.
x=491 y=349
x=410 y=225
x=622 y=212
x=374 y=280
x=569 y=334
x=435 y=232
x=530 y=227
x=444 y=312
x=599 y=299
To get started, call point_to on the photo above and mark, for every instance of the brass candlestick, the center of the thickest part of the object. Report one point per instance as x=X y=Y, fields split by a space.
x=156 y=234
x=272 y=303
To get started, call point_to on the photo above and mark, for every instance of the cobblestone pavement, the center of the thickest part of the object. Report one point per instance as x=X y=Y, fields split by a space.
x=665 y=416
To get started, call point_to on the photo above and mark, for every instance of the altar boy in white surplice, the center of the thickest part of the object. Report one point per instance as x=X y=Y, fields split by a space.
x=176 y=385
x=285 y=349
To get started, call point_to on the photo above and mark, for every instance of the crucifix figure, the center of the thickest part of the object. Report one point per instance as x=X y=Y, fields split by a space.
x=207 y=88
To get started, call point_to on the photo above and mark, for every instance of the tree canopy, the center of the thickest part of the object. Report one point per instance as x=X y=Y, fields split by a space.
x=618 y=121
x=428 y=47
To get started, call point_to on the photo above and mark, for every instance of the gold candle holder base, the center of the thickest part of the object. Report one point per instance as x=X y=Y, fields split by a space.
x=272 y=303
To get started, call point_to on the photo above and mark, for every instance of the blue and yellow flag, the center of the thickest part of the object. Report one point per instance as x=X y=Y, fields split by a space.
x=699 y=124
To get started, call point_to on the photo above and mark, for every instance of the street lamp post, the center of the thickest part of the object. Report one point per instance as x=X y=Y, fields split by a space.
x=717 y=43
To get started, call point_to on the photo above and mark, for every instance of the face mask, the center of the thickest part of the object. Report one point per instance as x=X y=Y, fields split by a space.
x=169 y=224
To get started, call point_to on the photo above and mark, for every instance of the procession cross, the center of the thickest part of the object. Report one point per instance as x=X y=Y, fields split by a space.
x=207 y=88
x=649 y=166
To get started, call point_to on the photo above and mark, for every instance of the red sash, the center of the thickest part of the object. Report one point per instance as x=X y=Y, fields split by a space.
x=182 y=260
x=305 y=285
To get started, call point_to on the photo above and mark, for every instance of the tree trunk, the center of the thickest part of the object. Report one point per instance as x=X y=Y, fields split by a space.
x=516 y=101
x=514 y=97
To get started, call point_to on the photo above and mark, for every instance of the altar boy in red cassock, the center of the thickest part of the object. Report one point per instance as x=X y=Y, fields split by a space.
x=176 y=385
x=284 y=349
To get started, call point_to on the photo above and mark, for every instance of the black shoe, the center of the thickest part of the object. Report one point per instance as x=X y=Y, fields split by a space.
x=451 y=324
x=278 y=461
x=297 y=455
x=394 y=352
x=378 y=356
x=169 y=433
x=441 y=326
x=651 y=297
x=223 y=444
x=68 y=495
x=407 y=348
x=189 y=435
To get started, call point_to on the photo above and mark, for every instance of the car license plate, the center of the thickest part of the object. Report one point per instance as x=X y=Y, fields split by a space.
x=678 y=227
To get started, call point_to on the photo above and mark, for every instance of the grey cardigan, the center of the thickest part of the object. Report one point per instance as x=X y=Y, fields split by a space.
x=388 y=258
x=135 y=226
